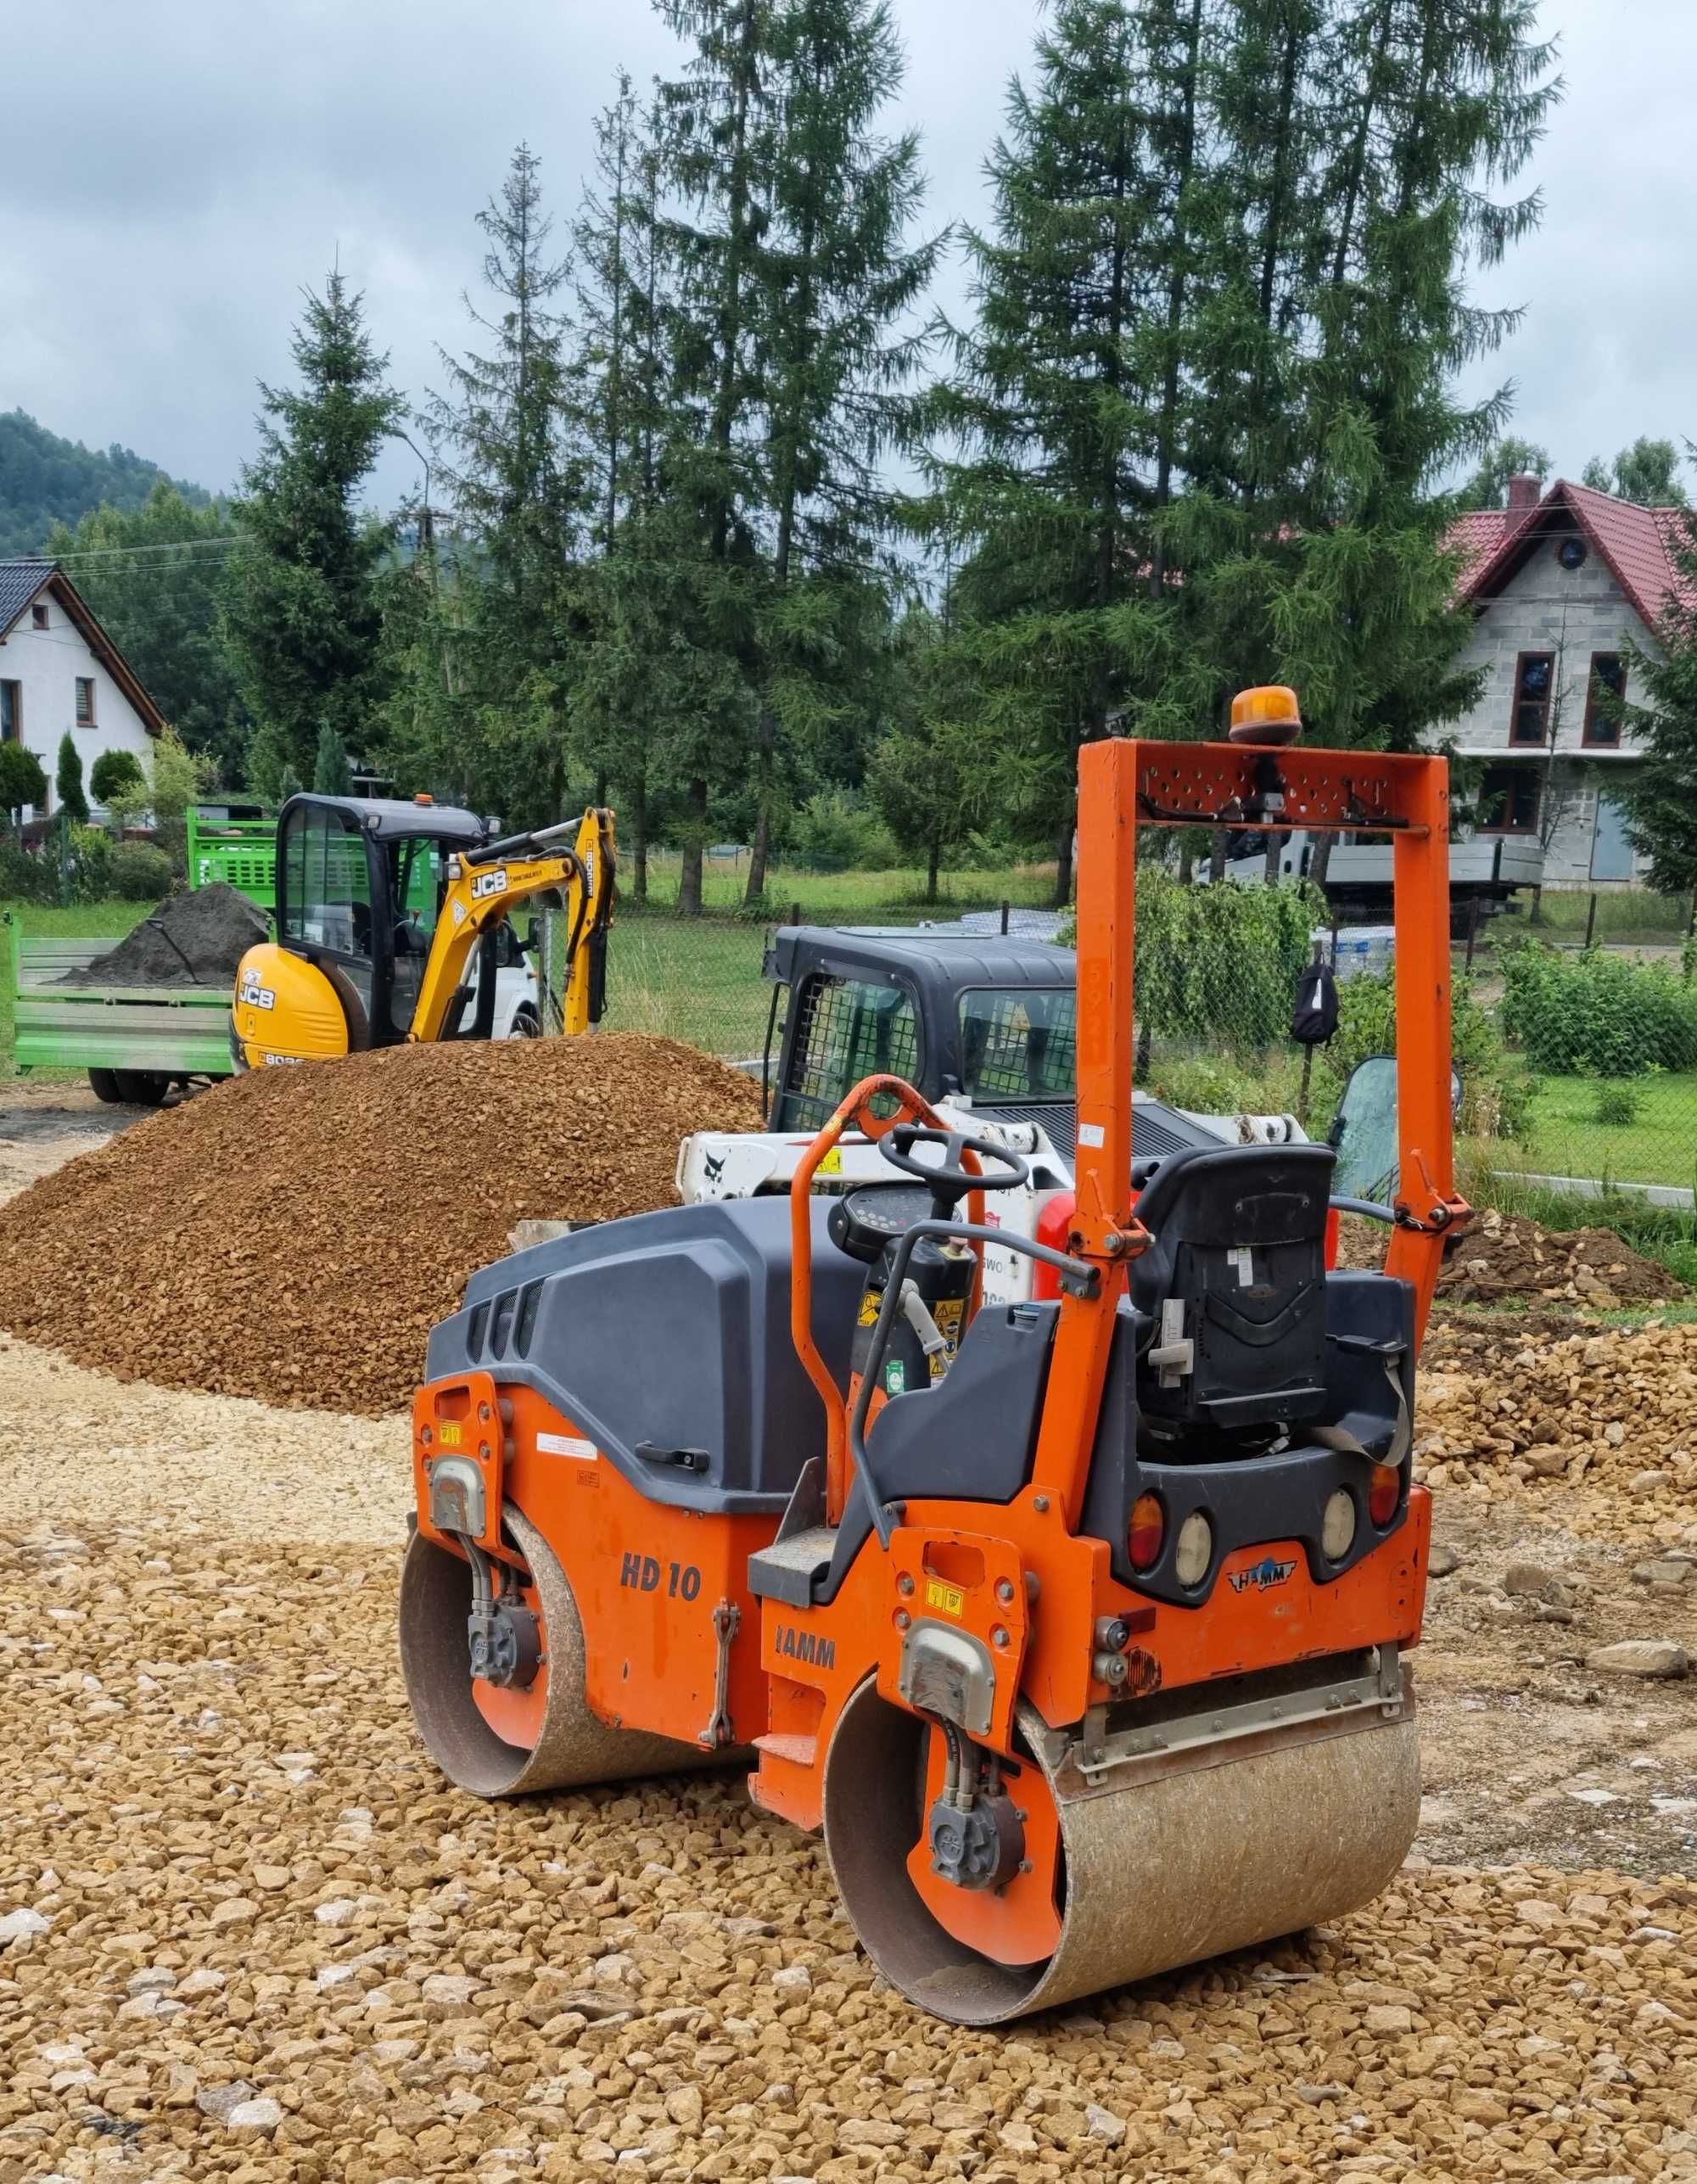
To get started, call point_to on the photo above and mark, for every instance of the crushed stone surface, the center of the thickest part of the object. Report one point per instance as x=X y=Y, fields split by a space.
x=248 y=1933
x=267 y=1941
x=293 y=1234
x=1604 y=1423
x=195 y=939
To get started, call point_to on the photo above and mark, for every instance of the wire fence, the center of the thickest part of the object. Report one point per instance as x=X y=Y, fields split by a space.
x=1217 y=1048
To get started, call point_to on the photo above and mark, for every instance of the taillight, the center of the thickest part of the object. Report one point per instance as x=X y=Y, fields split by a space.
x=1384 y=1492
x=1145 y=1531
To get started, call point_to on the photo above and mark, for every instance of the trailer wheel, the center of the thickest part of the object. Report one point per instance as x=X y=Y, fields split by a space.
x=141 y=1088
x=104 y=1084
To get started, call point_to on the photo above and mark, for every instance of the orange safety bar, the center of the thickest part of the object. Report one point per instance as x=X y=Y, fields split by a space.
x=1124 y=785
x=856 y=1110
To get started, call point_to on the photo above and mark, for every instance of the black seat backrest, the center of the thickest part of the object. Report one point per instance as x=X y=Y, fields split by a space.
x=1237 y=1270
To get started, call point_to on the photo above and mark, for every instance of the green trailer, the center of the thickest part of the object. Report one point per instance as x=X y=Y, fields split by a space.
x=238 y=846
x=135 y=1042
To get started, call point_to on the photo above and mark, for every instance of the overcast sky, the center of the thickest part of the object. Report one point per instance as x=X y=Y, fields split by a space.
x=175 y=173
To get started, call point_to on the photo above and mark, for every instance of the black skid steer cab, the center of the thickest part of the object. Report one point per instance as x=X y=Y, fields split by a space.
x=984 y=1026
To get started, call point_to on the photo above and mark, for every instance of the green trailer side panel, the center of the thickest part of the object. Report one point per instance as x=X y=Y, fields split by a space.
x=240 y=852
x=181 y=1031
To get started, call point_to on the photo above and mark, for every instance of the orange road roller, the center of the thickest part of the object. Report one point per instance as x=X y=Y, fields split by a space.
x=1080 y=1626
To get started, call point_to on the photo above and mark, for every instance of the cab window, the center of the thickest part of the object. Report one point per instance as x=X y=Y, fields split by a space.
x=846 y=1029
x=415 y=887
x=1019 y=1044
x=326 y=893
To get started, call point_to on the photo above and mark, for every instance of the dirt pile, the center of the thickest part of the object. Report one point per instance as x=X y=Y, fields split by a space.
x=196 y=939
x=295 y=1235
x=1606 y=1422
x=256 y=1937
x=1504 y=1256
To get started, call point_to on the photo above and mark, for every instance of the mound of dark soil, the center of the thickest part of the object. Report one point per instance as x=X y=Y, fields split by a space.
x=1504 y=1256
x=196 y=939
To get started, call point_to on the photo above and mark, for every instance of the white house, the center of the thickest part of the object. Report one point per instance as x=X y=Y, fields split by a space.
x=59 y=670
x=1565 y=585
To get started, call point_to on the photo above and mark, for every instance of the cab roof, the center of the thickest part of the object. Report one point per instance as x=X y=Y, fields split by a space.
x=393 y=819
x=941 y=962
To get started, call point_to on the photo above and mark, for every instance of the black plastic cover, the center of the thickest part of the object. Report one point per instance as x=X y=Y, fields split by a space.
x=669 y=1332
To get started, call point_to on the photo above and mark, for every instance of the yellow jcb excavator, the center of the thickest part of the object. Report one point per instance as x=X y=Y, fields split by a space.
x=388 y=918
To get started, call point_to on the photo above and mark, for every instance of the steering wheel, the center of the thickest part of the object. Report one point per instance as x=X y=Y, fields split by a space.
x=949 y=1183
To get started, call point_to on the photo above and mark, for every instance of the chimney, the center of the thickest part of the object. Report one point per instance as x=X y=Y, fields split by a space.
x=1525 y=491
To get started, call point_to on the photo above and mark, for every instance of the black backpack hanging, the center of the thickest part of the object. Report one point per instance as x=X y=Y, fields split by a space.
x=1316 y=1017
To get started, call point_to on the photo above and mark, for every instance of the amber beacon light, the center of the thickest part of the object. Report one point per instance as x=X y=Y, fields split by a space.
x=1270 y=714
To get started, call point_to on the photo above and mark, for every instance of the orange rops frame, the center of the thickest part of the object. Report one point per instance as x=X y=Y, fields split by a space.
x=1125 y=785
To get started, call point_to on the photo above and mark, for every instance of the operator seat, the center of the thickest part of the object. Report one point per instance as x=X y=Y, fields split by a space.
x=1235 y=1283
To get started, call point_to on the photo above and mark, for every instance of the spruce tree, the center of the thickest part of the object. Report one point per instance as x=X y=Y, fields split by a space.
x=1660 y=790
x=1061 y=405
x=837 y=278
x=522 y=499
x=332 y=774
x=300 y=614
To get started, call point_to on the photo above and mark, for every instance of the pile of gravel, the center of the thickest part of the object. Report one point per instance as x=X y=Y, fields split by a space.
x=196 y=939
x=295 y=1235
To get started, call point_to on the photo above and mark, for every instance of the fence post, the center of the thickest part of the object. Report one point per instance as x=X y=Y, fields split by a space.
x=1591 y=921
x=1472 y=930
x=1005 y=920
x=795 y=913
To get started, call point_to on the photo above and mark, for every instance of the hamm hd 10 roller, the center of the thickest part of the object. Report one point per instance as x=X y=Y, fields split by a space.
x=1079 y=1626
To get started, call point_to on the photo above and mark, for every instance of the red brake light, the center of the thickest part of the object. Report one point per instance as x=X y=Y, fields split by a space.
x=1384 y=1492
x=1145 y=1531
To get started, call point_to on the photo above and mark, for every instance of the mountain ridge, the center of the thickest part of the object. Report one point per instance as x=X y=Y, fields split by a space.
x=45 y=479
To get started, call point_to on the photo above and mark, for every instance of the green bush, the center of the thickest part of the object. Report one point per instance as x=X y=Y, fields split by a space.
x=1221 y=963
x=140 y=873
x=23 y=779
x=90 y=865
x=1598 y=1014
x=113 y=772
x=1496 y=1091
x=25 y=878
x=1617 y=1103
x=1204 y=1086
x=835 y=832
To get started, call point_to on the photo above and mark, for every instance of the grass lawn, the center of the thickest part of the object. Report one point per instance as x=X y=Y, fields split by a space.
x=843 y=897
x=1627 y=917
x=1660 y=1146
x=107 y=920
x=694 y=979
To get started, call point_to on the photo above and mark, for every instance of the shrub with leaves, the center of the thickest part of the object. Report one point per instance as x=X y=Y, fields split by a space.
x=834 y=832
x=1496 y=1091
x=69 y=780
x=1617 y=1103
x=1221 y=965
x=1202 y=1086
x=22 y=779
x=91 y=864
x=140 y=873
x=1596 y=1013
x=113 y=772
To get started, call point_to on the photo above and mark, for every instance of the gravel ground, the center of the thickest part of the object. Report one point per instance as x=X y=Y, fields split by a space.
x=247 y=1933
x=255 y=1890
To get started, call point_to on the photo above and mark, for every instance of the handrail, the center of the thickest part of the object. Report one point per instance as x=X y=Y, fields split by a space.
x=856 y=1109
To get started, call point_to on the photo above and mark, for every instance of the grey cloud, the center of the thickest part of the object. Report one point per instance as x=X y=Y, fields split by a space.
x=177 y=171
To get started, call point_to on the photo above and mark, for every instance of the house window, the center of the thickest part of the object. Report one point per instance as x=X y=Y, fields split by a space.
x=1509 y=800
x=38 y=614
x=1608 y=688
x=85 y=701
x=1534 y=687
x=11 y=713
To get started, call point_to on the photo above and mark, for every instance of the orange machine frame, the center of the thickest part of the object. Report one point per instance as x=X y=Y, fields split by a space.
x=1123 y=785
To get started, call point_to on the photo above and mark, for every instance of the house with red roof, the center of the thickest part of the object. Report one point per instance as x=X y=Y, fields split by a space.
x=1564 y=584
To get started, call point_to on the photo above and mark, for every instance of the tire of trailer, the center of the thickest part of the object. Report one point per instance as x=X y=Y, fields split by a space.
x=104 y=1084
x=141 y=1088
